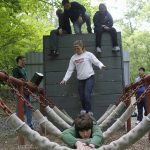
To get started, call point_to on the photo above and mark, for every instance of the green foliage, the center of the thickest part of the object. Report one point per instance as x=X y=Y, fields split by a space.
x=136 y=35
x=22 y=26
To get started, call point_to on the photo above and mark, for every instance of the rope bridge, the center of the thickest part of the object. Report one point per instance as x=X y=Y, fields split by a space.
x=112 y=120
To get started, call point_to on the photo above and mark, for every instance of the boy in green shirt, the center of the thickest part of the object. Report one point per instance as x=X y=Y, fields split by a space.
x=84 y=135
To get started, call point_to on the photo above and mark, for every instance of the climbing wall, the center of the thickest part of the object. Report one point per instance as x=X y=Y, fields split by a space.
x=108 y=83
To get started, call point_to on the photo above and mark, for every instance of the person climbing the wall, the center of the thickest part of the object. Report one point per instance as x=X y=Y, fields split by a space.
x=84 y=135
x=77 y=14
x=64 y=28
x=82 y=61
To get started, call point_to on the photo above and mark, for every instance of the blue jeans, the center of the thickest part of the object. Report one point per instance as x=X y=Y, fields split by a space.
x=54 y=40
x=77 y=25
x=27 y=112
x=140 y=107
x=85 y=88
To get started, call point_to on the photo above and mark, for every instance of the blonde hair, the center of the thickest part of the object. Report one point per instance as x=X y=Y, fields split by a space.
x=79 y=43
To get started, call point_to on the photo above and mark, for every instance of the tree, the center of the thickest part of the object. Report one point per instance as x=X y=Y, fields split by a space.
x=135 y=35
x=22 y=26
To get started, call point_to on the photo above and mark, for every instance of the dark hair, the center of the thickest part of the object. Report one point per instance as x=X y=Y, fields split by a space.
x=142 y=68
x=83 y=122
x=19 y=57
x=65 y=2
x=58 y=12
x=102 y=7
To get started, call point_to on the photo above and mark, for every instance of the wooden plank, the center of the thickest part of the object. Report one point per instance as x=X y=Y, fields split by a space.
x=108 y=75
x=68 y=40
x=66 y=53
x=62 y=65
x=98 y=100
x=34 y=58
x=88 y=39
x=46 y=42
x=71 y=89
x=108 y=88
x=104 y=75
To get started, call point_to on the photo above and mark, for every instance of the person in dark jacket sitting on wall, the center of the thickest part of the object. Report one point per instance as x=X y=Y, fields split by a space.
x=64 y=28
x=103 y=22
x=77 y=14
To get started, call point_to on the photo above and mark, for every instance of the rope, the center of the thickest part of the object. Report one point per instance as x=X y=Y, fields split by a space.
x=20 y=96
x=5 y=108
x=142 y=95
x=37 y=98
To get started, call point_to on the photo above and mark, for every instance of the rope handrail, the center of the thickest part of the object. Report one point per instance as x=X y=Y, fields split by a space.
x=139 y=99
x=5 y=108
x=32 y=89
x=129 y=91
x=16 y=91
x=37 y=98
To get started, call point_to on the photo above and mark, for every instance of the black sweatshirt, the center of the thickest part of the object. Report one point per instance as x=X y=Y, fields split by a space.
x=75 y=11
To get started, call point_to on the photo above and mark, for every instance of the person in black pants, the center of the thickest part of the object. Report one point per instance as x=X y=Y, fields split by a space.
x=139 y=92
x=64 y=28
x=103 y=22
x=77 y=14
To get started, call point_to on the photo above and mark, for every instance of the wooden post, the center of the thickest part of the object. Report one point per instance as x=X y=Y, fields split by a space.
x=42 y=108
x=147 y=83
x=129 y=120
x=128 y=102
x=20 y=108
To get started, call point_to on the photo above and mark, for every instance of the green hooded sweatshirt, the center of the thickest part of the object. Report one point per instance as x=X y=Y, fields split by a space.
x=70 y=136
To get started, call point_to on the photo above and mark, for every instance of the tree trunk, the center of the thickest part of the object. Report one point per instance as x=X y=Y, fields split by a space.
x=45 y=124
x=111 y=118
x=63 y=116
x=120 y=121
x=59 y=121
x=34 y=137
x=106 y=114
x=131 y=137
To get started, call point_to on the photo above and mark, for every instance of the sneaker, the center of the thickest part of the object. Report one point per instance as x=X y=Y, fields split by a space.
x=83 y=112
x=91 y=116
x=137 y=122
x=116 y=48
x=134 y=114
x=90 y=113
x=98 y=49
x=55 y=53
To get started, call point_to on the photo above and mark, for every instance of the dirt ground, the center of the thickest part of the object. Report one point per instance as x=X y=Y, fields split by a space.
x=9 y=138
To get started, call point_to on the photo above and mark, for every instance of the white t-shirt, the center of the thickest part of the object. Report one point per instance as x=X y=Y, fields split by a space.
x=83 y=64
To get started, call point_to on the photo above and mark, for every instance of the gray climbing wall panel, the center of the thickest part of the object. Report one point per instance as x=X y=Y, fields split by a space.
x=108 y=83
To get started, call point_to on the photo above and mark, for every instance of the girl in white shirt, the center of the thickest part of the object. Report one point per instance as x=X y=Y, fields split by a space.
x=82 y=61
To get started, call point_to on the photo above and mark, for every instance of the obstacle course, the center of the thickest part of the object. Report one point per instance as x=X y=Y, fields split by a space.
x=44 y=143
